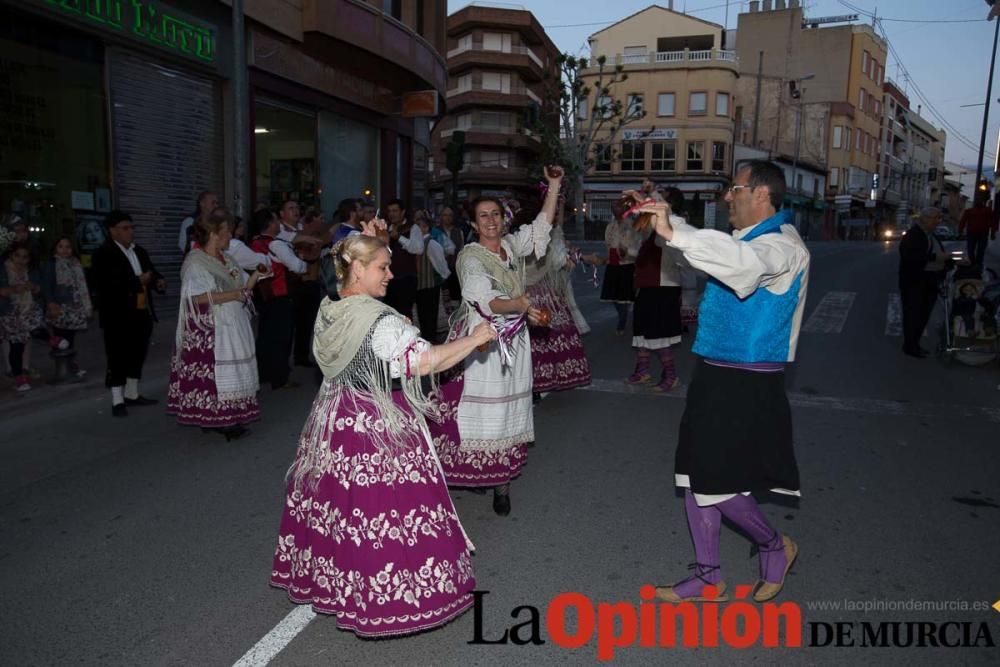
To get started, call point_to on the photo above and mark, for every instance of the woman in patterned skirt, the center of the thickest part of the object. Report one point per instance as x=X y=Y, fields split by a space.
x=369 y=532
x=213 y=376
x=486 y=412
x=557 y=356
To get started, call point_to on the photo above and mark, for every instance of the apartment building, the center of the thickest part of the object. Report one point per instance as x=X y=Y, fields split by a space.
x=683 y=80
x=498 y=62
x=833 y=75
x=912 y=167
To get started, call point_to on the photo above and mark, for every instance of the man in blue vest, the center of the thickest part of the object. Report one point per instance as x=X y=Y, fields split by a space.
x=736 y=433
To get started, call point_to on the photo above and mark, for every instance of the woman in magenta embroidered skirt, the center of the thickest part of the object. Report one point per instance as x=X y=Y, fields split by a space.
x=558 y=359
x=213 y=375
x=369 y=533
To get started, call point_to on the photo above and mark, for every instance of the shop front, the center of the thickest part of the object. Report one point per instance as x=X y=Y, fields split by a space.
x=110 y=105
x=327 y=128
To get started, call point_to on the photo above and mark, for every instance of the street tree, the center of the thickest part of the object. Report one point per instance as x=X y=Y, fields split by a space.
x=587 y=122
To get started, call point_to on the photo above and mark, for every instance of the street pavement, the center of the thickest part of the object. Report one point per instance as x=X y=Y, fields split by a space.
x=139 y=542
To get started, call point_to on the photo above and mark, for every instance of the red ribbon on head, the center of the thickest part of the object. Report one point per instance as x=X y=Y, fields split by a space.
x=635 y=209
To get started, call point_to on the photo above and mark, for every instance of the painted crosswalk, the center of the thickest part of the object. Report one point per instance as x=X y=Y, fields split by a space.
x=894 y=316
x=831 y=313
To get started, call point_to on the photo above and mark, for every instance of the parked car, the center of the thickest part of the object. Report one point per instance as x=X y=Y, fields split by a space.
x=944 y=232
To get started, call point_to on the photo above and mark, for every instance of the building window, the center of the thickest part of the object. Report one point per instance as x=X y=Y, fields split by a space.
x=602 y=158
x=838 y=136
x=393 y=8
x=664 y=156
x=698 y=104
x=861 y=100
x=722 y=104
x=847 y=138
x=835 y=178
x=635 y=54
x=582 y=111
x=857 y=140
x=798 y=182
x=496 y=41
x=718 y=156
x=496 y=81
x=665 y=104
x=603 y=107
x=635 y=107
x=865 y=62
x=633 y=156
x=696 y=156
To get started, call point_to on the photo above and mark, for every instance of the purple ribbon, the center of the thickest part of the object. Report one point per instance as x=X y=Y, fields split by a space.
x=506 y=330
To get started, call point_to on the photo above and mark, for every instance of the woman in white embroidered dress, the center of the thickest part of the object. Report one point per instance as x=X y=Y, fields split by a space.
x=369 y=532
x=213 y=376
x=487 y=414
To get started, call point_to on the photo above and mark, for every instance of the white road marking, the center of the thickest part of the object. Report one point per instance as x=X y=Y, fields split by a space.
x=797 y=400
x=278 y=638
x=894 y=316
x=831 y=313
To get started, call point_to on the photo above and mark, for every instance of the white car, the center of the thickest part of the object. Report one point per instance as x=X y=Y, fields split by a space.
x=944 y=232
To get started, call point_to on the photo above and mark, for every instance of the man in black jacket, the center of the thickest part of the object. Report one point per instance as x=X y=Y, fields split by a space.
x=124 y=278
x=922 y=261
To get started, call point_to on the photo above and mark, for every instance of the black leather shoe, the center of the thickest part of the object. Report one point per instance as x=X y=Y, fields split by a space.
x=501 y=503
x=140 y=401
x=915 y=353
x=119 y=410
x=235 y=432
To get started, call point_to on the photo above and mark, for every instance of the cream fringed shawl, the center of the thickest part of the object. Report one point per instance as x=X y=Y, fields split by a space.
x=342 y=345
x=235 y=359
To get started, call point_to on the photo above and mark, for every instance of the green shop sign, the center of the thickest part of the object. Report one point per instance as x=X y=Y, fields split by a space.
x=147 y=21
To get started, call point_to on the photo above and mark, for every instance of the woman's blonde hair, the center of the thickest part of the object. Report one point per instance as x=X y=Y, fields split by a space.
x=354 y=247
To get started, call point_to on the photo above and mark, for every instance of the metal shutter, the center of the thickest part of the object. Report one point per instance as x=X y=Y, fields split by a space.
x=166 y=133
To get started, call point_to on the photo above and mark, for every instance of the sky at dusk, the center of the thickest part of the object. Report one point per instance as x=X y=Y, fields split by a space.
x=948 y=62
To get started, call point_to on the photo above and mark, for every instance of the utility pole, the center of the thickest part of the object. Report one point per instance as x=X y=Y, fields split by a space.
x=989 y=91
x=756 y=104
x=241 y=111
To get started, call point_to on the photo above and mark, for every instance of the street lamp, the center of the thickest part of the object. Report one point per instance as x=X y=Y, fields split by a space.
x=796 y=94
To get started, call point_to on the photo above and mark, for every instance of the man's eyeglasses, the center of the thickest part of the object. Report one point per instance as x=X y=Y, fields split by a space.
x=733 y=189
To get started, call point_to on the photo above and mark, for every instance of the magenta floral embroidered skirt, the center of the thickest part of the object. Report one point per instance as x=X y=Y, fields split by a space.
x=557 y=356
x=479 y=463
x=377 y=542
x=192 y=395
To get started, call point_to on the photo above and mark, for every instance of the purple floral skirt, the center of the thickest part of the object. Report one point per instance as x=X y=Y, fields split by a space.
x=377 y=542
x=557 y=356
x=192 y=394
x=470 y=466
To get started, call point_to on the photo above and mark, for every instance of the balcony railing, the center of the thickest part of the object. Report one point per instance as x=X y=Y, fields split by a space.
x=491 y=129
x=669 y=57
x=516 y=49
x=513 y=90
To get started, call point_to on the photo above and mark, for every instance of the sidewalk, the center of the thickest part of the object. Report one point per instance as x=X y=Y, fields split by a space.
x=90 y=356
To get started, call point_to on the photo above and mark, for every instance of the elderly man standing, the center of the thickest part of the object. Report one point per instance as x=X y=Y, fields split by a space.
x=922 y=260
x=748 y=330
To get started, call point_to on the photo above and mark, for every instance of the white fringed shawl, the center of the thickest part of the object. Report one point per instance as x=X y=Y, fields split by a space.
x=235 y=359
